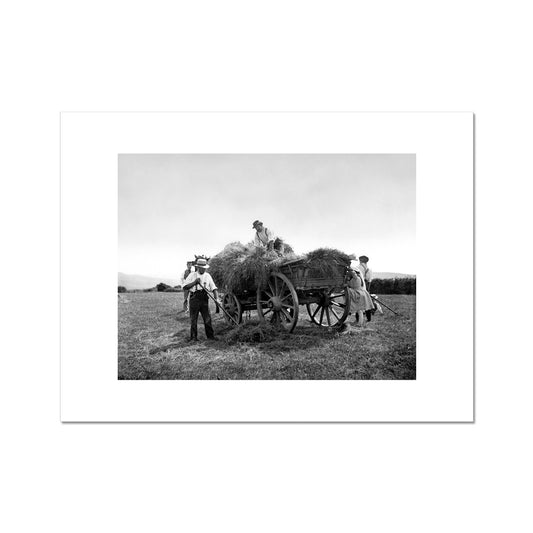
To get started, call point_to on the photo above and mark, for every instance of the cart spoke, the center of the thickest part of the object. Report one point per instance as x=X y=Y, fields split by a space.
x=336 y=304
x=316 y=311
x=331 y=296
x=335 y=313
x=327 y=316
x=286 y=315
x=269 y=310
x=321 y=315
x=282 y=288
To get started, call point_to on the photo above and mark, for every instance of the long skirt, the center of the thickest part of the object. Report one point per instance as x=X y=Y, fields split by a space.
x=360 y=300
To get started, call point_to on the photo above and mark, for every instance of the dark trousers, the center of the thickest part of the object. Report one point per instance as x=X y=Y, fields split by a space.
x=199 y=303
x=368 y=315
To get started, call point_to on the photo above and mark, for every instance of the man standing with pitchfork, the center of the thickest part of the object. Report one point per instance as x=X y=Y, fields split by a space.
x=198 y=283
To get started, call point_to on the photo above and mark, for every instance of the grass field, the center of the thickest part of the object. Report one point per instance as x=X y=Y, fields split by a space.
x=152 y=344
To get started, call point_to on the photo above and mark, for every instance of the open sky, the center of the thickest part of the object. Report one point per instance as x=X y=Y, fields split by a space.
x=171 y=207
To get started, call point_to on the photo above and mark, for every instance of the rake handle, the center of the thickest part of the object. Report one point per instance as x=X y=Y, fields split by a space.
x=220 y=306
x=380 y=302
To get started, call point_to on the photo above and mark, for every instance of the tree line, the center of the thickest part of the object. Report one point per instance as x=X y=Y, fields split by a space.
x=393 y=286
x=160 y=287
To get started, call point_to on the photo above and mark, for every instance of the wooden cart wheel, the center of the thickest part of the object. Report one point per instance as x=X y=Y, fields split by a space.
x=233 y=307
x=332 y=310
x=278 y=302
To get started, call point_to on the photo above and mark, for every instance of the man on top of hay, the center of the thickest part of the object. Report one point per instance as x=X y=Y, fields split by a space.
x=265 y=238
x=197 y=283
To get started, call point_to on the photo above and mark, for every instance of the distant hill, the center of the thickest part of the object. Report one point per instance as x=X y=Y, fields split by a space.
x=391 y=275
x=135 y=282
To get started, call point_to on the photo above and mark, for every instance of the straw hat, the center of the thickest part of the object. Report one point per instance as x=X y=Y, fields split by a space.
x=256 y=223
x=202 y=263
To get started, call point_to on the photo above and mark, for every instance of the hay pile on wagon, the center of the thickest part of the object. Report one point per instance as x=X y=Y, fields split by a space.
x=239 y=268
x=324 y=261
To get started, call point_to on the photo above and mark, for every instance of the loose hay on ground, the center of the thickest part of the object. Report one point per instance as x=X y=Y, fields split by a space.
x=251 y=332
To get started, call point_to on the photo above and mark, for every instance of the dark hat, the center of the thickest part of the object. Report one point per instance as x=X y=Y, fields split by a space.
x=363 y=258
x=256 y=223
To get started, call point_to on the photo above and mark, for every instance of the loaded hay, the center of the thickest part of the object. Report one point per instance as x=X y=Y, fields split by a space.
x=324 y=261
x=245 y=267
x=239 y=268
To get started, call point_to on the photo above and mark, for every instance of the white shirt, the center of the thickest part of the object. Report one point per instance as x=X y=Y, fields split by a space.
x=205 y=279
x=264 y=237
x=365 y=271
x=358 y=267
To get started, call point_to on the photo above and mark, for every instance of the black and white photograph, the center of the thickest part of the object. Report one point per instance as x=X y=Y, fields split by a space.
x=298 y=259
x=267 y=267
x=251 y=267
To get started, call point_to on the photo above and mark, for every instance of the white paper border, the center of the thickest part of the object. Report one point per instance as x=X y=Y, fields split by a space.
x=443 y=144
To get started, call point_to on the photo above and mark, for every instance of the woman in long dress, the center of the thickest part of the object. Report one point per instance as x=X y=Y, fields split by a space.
x=360 y=299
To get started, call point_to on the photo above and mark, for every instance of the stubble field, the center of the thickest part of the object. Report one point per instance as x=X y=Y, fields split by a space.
x=153 y=334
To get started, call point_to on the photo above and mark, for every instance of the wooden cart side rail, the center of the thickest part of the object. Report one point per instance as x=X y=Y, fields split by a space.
x=301 y=268
x=318 y=282
x=303 y=276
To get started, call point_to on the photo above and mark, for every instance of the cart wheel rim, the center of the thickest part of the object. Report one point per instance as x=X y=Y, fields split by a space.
x=333 y=309
x=278 y=302
x=233 y=307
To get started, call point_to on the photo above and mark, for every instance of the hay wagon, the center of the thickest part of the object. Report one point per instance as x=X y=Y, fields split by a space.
x=295 y=283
